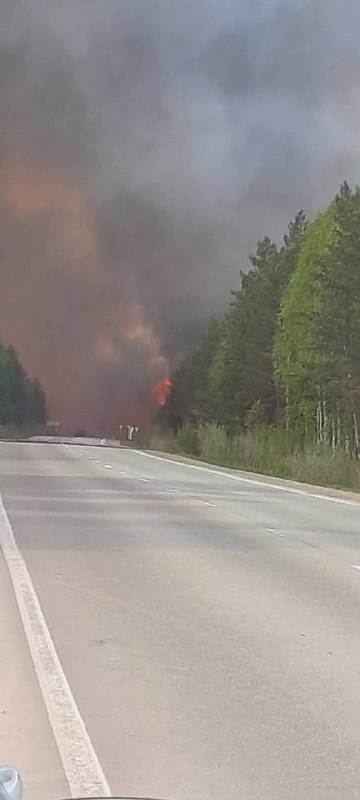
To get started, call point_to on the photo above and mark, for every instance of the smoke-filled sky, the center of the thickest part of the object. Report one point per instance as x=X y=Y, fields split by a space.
x=146 y=146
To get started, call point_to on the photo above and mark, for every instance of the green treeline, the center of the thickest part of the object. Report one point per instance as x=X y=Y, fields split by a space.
x=22 y=399
x=286 y=356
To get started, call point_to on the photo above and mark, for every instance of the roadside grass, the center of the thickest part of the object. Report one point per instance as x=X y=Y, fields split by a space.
x=267 y=451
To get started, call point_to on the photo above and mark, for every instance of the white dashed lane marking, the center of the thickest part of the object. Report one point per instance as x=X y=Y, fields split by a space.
x=250 y=481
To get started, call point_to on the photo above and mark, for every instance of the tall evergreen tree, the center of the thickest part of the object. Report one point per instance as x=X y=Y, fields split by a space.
x=242 y=371
x=16 y=411
x=317 y=347
x=190 y=399
x=36 y=410
x=22 y=399
x=4 y=385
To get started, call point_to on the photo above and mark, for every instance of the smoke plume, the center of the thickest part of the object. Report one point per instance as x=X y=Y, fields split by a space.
x=146 y=146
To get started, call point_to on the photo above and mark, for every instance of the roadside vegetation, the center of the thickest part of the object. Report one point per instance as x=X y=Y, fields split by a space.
x=266 y=451
x=23 y=405
x=274 y=385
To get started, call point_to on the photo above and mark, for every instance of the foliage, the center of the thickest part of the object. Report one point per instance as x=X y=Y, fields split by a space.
x=275 y=384
x=318 y=344
x=228 y=378
x=22 y=399
x=269 y=451
x=190 y=400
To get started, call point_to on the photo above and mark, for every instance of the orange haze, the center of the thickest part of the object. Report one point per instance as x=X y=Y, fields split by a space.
x=92 y=346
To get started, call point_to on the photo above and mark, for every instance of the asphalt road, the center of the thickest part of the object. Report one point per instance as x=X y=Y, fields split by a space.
x=208 y=625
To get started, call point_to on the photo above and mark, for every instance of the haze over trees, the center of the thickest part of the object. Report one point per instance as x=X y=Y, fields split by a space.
x=22 y=399
x=286 y=355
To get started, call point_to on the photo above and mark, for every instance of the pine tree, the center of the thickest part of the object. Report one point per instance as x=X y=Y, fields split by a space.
x=16 y=411
x=36 y=405
x=242 y=372
x=317 y=348
x=22 y=399
x=4 y=385
x=190 y=399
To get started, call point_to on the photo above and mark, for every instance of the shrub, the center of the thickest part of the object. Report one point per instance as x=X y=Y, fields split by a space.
x=187 y=440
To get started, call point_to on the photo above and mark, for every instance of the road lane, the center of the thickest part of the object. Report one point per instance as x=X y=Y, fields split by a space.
x=208 y=628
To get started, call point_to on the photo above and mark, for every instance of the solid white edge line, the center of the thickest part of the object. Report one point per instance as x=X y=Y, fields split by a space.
x=80 y=762
x=252 y=481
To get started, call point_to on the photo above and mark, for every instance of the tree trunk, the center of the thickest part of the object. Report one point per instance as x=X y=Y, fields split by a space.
x=333 y=440
x=356 y=436
x=338 y=429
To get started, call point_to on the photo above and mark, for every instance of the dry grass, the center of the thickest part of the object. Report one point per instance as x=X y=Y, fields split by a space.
x=266 y=451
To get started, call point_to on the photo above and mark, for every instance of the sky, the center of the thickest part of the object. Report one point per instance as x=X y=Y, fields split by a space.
x=146 y=146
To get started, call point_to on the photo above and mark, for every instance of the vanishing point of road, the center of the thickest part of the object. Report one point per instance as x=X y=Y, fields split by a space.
x=176 y=630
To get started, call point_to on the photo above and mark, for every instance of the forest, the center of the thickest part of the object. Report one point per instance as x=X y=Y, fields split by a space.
x=23 y=403
x=274 y=384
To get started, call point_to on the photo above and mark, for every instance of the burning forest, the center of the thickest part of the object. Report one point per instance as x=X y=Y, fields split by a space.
x=128 y=206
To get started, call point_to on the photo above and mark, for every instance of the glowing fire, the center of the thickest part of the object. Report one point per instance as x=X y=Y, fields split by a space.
x=54 y=199
x=161 y=391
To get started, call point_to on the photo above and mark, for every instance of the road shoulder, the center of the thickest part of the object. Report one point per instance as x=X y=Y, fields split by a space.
x=26 y=739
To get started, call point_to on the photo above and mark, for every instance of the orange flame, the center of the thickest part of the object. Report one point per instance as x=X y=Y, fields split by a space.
x=161 y=391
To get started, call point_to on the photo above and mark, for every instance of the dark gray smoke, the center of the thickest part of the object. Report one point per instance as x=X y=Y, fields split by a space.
x=146 y=146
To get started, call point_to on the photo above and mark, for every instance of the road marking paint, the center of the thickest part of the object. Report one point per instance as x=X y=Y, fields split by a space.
x=355 y=566
x=142 y=480
x=213 y=505
x=108 y=466
x=80 y=762
x=170 y=489
x=90 y=458
x=273 y=530
x=251 y=481
x=97 y=461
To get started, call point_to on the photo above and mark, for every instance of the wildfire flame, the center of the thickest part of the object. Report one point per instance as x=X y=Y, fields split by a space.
x=161 y=391
x=53 y=199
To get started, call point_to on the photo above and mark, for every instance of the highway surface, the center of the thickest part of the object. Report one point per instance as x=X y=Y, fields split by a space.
x=174 y=630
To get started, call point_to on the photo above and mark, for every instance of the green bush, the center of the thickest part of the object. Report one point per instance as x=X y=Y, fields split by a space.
x=214 y=444
x=187 y=440
x=157 y=439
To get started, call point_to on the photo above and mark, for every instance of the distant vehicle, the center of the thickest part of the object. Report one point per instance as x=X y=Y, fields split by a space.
x=127 y=433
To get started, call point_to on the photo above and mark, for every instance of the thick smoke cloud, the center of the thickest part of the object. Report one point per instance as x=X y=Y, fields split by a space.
x=146 y=146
